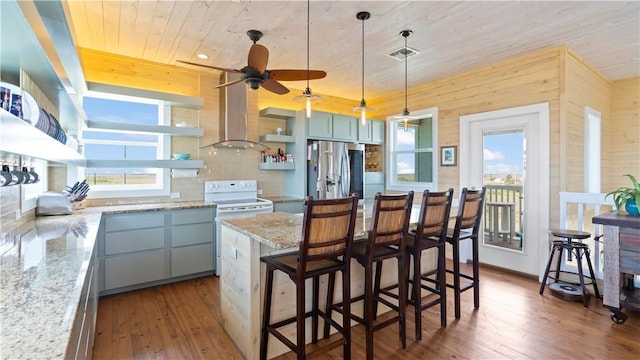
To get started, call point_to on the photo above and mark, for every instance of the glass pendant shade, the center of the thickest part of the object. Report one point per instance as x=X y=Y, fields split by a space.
x=406 y=115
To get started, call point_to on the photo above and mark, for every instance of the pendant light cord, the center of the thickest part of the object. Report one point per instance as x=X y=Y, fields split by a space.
x=363 y=59
x=308 y=17
x=406 y=55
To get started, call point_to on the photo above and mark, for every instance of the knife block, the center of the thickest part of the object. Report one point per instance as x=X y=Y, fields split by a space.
x=79 y=205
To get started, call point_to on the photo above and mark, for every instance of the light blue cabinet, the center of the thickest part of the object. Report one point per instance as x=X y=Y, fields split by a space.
x=192 y=241
x=372 y=133
x=327 y=126
x=292 y=207
x=80 y=344
x=149 y=248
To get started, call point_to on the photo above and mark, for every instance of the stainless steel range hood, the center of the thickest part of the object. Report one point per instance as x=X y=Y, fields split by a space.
x=233 y=117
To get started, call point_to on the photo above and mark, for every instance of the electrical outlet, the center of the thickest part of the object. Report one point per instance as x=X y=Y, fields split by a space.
x=175 y=195
x=17 y=215
x=259 y=191
x=234 y=252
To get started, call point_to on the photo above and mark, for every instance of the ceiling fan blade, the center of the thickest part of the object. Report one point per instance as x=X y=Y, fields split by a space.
x=292 y=75
x=275 y=87
x=229 y=83
x=210 y=67
x=258 y=57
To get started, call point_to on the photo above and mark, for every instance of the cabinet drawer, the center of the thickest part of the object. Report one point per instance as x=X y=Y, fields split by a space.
x=630 y=262
x=133 y=221
x=194 y=216
x=191 y=259
x=133 y=269
x=191 y=234
x=134 y=240
x=630 y=242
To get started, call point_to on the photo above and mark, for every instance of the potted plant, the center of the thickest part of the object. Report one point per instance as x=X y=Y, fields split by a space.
x=627 y=196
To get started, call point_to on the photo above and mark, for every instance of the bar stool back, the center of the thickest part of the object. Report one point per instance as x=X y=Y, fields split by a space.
x=325 y=248
x=430 y=233
x=466 y=228
x=386 y=240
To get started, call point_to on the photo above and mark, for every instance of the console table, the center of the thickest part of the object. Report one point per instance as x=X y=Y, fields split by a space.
x=621 y=262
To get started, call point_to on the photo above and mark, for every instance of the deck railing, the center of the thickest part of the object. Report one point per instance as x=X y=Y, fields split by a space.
x=504 y=206
x=576 y=212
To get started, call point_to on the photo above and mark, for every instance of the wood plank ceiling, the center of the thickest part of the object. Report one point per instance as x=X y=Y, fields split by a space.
x=451 y=36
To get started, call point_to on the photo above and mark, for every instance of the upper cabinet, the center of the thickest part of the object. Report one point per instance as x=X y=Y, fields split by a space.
x=329 y=126
x=372 y=133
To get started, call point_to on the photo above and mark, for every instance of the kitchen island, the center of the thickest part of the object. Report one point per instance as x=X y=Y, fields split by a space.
x=243 y=242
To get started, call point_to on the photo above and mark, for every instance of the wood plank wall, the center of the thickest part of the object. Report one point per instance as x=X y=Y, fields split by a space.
x=530 y=79
x=556 y=75
x=622 y=135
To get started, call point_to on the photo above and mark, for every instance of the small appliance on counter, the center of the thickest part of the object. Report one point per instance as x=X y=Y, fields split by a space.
x=65 y=202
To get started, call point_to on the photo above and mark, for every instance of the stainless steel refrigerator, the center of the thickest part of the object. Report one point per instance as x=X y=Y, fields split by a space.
x=335 y=169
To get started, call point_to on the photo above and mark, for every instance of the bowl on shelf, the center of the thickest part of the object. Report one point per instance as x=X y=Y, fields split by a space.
x=183 y=156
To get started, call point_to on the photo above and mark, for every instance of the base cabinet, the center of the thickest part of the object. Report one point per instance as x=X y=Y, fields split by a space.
x=83 y=333
x=145 y=249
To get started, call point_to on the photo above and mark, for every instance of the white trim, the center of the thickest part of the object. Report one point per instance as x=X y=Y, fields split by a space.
x=537 y=225
x=392 y=123
x=592 y=150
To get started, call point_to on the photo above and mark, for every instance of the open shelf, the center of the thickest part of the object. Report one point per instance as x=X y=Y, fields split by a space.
x=20 y=137
x=277 y=138
x=167 y=164
x=277 y=166
x=170 y=130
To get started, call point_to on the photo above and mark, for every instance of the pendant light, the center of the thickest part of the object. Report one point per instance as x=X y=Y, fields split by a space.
x=306 y=96
x=363 y=15
x=406 y=115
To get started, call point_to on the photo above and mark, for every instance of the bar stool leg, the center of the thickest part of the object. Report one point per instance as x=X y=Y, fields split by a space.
x=266 y=313
x=546 y=271
x=376 y=289
x=368 y=310
x=442 y=284
x=329 y=306
x=593 y=275
x=578 y=253
x=314 y=317
x=402 y=302
x=416 y=291
x=560 y=246
x=346 y=313
x=456 y=278
x=476 y=274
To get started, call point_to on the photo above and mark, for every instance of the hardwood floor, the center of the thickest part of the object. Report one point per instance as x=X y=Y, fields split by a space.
x=182 y=321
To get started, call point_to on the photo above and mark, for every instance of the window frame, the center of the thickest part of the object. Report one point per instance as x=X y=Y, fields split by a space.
x=162 y=187
x=393 y=122
x=592 y=150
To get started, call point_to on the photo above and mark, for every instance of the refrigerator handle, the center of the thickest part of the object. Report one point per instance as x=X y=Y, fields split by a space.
x=346 y=173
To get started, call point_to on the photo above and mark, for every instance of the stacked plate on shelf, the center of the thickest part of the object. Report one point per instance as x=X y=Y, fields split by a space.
x=18 y=102
x=48 y=124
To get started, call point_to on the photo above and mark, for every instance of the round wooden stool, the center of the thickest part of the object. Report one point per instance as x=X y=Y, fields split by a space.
x=578 y=249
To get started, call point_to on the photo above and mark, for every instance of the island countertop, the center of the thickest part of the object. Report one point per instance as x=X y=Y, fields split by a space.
x=278 y=230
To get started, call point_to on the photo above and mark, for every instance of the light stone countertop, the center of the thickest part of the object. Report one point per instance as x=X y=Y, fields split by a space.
x=279 y=230
x=43 y=265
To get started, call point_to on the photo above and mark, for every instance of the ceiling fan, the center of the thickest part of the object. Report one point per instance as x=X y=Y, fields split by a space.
x=255 y=74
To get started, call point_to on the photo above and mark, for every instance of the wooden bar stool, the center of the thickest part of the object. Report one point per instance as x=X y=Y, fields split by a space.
x=466 y=228
x=325 y=248
x=578 y=249
x=430 y=233
x=386 y=240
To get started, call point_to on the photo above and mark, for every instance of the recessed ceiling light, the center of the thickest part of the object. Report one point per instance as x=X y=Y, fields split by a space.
x=202 y=56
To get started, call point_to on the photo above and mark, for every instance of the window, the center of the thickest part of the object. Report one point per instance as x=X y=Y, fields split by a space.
x=591 y=150
x=121 y=145
x=412 y=155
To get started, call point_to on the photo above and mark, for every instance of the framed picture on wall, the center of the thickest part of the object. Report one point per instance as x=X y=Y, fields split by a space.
x=448 y=156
